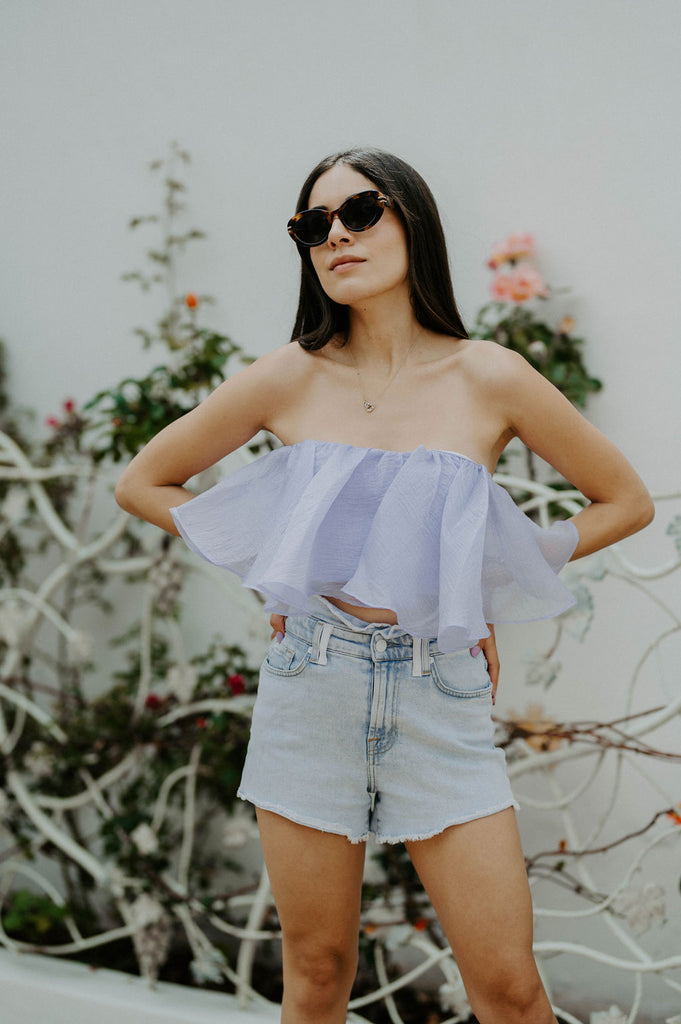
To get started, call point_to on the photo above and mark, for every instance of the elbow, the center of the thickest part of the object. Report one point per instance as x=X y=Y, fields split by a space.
x=647 y=512
x=123 y=496
x=642 y=512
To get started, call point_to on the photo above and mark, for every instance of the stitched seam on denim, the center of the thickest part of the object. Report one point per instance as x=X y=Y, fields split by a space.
x=386 y=723
x=331 y=649
x=393 y=643
x=465 y=694
x=288 y=654
x=287 y=672
x=393 y=732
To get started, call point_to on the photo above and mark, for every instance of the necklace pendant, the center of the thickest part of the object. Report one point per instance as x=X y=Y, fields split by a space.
x=369 y=406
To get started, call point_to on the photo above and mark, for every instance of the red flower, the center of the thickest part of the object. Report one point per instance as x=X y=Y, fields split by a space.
x=69 y=406
x=191 y=301
x=53 y=422
x=153 y=702
x=237 y=684
x=421 y=924
x=201 y=723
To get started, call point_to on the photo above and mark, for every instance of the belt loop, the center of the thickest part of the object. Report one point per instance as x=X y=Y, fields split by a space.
x=416 y=665
x=420 y=655
x=322 y=632
x=425 y=656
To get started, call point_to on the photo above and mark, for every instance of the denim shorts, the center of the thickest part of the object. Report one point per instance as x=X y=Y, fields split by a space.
x=363 y=730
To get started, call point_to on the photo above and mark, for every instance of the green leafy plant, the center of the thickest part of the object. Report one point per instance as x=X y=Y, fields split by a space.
x=515 y=319
x=31 y=916
x=138 y=777
x=143 y=714
x=128 y=415
x=515 y=322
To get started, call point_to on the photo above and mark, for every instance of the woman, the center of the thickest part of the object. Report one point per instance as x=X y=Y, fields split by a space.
x=386 y=554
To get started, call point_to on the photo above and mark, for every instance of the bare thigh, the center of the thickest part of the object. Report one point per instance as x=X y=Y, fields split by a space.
x=316 y=880
x=475 y=877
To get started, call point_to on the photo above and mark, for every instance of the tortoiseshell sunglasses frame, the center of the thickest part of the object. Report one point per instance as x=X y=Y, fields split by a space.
x=382 y=203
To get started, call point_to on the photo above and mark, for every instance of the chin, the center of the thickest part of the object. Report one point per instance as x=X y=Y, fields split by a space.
x=355 y=292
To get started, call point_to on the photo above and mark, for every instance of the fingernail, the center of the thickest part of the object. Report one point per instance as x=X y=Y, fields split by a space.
x=475 y=651
x=278 y=636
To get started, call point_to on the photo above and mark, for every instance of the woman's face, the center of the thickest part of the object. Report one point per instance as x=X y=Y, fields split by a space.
x=376 y=260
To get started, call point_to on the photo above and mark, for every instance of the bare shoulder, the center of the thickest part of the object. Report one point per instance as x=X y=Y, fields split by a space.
x=491 y=365
x=285 y=365
x=534 y=410
x=276 y=383
x=266 y=381
x=282 y=359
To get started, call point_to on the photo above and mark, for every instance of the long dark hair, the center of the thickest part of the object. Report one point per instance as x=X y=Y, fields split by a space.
x=319 y=318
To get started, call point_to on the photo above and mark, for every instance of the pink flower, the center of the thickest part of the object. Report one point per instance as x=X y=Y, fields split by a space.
x=236 y=683
x=53 y=422
x=520 y=284
x=526 y=282
x=501 y=288
x=519 y=246
x=497 y=256
x=515 y=247
x=69 y=406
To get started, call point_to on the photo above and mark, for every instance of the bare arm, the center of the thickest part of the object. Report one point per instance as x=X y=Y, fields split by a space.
x=550 y=425
x=229 y=417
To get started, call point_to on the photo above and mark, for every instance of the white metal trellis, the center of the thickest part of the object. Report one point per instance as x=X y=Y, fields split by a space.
x=24 y=609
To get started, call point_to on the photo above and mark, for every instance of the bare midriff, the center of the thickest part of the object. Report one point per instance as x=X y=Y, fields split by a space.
x=367 y=614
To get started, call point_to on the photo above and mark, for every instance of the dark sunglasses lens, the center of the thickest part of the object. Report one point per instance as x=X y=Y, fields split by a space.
x=361 y=212
x=312 y=228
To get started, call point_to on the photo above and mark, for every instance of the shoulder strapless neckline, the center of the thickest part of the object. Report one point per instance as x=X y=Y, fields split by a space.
x=387 y=451
x=427 y=533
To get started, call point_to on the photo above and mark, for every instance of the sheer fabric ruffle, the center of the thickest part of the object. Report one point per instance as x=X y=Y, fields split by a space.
x=427 y=533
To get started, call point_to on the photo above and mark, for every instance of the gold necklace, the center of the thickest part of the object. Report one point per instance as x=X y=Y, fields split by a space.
x=370 y=406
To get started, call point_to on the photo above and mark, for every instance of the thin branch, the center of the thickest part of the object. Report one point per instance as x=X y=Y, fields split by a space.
x=531 y=861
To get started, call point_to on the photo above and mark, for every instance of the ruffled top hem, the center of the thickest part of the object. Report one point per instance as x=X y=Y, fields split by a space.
x=426 y=533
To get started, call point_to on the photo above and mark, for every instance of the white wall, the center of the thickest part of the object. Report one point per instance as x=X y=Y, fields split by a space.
x=558 y=118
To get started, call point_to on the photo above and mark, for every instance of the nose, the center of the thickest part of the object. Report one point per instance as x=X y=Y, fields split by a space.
x=338 y=232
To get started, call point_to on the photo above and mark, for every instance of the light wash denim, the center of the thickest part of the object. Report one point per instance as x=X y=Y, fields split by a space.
x=363 y=730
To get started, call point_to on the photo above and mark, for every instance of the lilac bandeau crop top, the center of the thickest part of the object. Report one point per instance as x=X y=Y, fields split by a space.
x=427 y=533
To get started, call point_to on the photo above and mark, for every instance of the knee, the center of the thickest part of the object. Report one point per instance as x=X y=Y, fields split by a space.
x=321 y=969
x=516 y=996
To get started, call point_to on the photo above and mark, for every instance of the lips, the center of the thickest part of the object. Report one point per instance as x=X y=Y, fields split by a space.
x=341 y=261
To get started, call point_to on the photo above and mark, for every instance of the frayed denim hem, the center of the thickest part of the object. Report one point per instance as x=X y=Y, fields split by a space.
x=337 y=829
x=413 y=838
x=300 y=819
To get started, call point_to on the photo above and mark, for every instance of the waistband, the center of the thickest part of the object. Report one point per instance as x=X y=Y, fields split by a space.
x=328 y=628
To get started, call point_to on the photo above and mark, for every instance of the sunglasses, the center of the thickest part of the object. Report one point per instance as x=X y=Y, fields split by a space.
x=357 y=213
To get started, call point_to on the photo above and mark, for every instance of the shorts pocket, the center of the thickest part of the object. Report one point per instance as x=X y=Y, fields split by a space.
x=459 y=674
x=287 y=658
